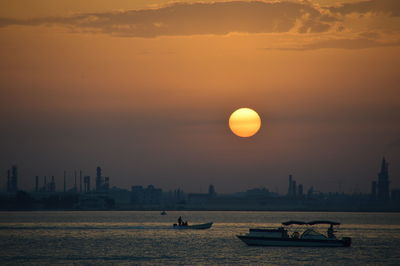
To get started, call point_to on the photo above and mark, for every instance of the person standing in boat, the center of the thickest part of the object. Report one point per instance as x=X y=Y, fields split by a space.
x=180 y=222
x=331 y=232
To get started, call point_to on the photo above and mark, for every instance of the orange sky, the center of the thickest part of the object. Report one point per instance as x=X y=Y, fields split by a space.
x=145 y=89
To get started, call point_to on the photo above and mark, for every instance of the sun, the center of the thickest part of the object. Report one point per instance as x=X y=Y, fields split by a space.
x=244 y=122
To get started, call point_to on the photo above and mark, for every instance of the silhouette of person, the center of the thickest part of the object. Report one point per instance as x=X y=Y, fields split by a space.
x=331 y=232
x=180 y=220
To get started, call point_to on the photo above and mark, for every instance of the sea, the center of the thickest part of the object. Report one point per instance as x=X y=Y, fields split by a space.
x=148 y=238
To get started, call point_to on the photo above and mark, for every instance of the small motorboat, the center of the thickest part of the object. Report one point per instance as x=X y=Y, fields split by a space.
x=308 y=238
x=163 y=213
x=194 y=226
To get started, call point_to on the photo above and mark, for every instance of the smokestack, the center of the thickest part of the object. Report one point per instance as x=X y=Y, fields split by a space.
x=300 y=190
x=65 y=181
x=87 y=183
x=76 y=188
x=106 y=183
x=52 y=185
x=99 y=181
x=14 y=178
x=290 y=187
x=8 y=181
x=37 y=184
x=80 y=181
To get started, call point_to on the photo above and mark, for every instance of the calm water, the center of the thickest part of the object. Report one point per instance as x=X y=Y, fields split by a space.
x=48 y=238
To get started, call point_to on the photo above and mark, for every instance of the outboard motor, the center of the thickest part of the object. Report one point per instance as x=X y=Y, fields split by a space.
x=346 y=241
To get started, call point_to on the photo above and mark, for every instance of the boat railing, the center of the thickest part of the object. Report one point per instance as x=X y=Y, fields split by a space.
x=298 y=229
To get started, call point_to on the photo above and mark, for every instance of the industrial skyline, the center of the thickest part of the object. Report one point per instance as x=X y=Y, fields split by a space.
x=380 y=188
x=80 y=196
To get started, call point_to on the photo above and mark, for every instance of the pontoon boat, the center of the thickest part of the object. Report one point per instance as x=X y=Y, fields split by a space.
x=308 y=238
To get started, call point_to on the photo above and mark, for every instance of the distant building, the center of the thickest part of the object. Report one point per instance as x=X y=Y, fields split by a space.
x=146 y=196
x=52 y=185
x=177 y=196
x=198 y=198
x=99 y=179
x=44 y=187
x=93 y=201
x=12 y=179
x=86 y=184
x=395 y=195
x=211 y=190
x=47 y=186
x=106 y=185
x=80 y=181
x=300 y=191
x=202 y=198
x=310 y=192
x=258 y=193
x=289 y=194
x=65 y=181
x=294 y=190
x=137 y=195
x=373 y=190
x=75 y=189
x=380 y=189
x=102 y=183
x=152 y=195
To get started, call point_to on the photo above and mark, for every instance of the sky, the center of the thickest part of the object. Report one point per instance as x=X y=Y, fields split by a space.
x=145 y=88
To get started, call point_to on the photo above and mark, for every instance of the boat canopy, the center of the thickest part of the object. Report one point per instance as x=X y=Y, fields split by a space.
x=310 y=223
x=323 y=222
x=294 y=222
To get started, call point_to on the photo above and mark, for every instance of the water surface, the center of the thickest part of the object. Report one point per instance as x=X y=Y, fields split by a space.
x=126 y=238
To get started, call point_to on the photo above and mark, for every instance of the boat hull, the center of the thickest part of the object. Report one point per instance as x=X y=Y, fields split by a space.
x=290 y=242
x=194 y=226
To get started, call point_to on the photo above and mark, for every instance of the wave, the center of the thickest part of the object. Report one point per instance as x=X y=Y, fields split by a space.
x=69 y=258
x=41 y=227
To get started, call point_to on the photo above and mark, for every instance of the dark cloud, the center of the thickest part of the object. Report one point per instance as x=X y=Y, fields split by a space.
x=370 y=35
x=359 y=43
x=197 y=18
x=390 y=7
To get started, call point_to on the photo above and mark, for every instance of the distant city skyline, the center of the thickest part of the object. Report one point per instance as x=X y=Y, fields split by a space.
x=96 y=181
x=83 y=196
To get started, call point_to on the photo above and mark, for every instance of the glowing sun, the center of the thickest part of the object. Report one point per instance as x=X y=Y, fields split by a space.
x=244 y=122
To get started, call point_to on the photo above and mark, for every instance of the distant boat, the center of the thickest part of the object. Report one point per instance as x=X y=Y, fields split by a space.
x=163 y=213
x=280 y=237
x=194 y=226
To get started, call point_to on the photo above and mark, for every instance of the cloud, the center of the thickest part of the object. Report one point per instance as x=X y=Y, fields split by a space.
x=349 y=44
x=301 y=20
x=390 y=7
x=182 y=19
